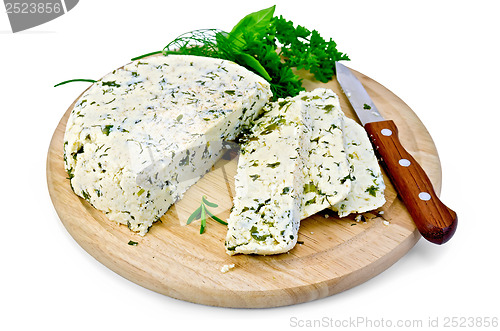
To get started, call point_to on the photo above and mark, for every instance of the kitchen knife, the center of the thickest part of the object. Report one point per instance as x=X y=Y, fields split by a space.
x=436 y=222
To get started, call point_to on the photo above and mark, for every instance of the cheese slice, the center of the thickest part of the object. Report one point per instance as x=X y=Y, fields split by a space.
x=367 y=191
x=269 y=183
x=140 y=136
x=327 y=170
x=292 y=165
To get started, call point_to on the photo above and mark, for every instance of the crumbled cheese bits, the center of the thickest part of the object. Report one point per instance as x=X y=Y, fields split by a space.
x=139 y=137
x=292 y=165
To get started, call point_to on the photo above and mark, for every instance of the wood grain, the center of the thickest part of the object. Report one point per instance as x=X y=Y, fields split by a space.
x=175 y=260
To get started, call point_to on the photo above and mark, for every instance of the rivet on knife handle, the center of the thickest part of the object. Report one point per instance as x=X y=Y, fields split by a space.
x=436 y=222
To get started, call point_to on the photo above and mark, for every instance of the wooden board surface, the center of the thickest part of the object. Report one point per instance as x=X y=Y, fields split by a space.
x=175 y=260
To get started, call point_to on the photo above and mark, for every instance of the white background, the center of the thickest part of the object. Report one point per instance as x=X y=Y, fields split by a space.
x=440 y=57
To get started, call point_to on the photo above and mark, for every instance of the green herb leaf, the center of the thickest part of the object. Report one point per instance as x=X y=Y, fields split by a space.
x=210 y=204
x=215 y=217
x=194 y=216
x=348 y=177
x=146 y=55
x=309 y=202
x=372 y=190
x=85 y=195
x=202 y=212
x=328 y=108
x=253 y=25
x=75 y=80
x=250 y=61
x=107 y=129
x=254 y=177
x=254 y=232
x=203 y=219
x=133 y=243
x=112 y=83
x=310 y=188
x=305 y=49
x=273 y=165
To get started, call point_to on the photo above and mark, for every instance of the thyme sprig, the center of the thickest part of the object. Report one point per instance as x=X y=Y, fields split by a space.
x=201 y=213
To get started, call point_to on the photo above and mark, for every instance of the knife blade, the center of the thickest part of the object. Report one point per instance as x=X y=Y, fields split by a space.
x=436 y=222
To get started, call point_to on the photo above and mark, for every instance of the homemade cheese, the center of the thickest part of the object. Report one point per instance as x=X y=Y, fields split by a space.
x=292 y=165
x=269 y=183
x=140 y=136
x=327 y=169
x=367 y=191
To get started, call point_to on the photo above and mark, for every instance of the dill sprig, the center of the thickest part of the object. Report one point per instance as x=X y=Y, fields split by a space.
x=201 y=213
x=203 y=42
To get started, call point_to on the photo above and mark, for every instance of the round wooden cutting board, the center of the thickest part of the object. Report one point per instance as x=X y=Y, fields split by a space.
x=332 y=255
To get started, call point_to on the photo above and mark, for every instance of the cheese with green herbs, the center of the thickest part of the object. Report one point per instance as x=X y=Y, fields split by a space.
x=140 y=136
x=367 y=192
x=292 y=165
x=327 y=169
x=269 y=183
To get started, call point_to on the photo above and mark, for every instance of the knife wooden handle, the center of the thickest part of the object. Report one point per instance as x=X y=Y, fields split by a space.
x=436 y=222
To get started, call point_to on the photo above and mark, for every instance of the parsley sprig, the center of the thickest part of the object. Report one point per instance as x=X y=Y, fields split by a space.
x=202 y=212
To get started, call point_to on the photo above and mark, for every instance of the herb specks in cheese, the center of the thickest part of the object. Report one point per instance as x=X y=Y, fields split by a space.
x=151 y=125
